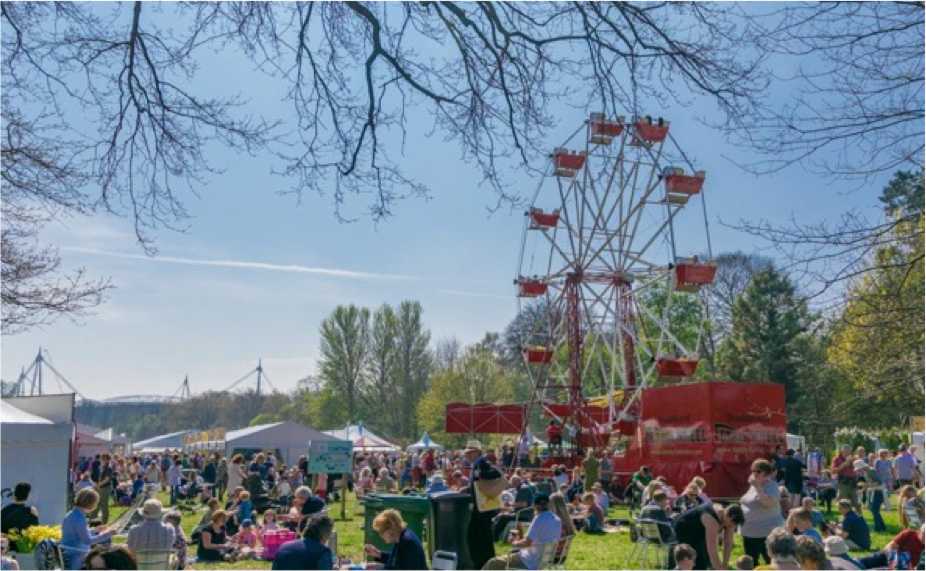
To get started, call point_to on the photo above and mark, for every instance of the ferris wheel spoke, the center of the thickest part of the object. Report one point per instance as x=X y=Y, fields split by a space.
x=663 y=327
x=658 y=233
x=638 y=209
x=570 y=233
x=555 y=248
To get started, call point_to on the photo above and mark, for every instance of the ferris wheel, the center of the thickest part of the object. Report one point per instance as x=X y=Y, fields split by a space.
x=600 y=267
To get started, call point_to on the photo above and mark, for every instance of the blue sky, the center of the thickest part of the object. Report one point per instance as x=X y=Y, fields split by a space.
x=256 y=272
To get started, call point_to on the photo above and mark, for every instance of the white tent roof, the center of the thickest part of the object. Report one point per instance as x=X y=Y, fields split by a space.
x=169 y=440
x=35 y=449
x=363 y=439
x=12 y=415
x=290 y=438
x=425 y=443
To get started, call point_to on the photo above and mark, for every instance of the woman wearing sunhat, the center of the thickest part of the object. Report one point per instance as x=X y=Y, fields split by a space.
x=486 y=485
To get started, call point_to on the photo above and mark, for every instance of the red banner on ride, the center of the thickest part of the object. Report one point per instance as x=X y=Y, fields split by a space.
x=465 y=418
x=711 y=429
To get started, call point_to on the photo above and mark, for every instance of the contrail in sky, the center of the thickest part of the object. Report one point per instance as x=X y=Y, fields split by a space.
x=245 y=265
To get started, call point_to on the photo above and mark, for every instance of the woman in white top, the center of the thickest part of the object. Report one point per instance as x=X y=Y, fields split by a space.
x=236 y=473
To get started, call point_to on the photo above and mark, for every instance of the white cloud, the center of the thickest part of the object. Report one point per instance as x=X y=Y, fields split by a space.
x=245 y=265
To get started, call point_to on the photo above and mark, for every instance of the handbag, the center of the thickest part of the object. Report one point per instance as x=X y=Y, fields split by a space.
x=489 y=493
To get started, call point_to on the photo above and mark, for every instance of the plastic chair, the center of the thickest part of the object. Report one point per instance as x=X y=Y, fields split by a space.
x=650 y=542
x=519 y=518
x=152 y=559
x=547 y=555
x=444 y=560
x=561 y=553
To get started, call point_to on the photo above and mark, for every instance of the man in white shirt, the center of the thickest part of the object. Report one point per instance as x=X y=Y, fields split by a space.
x=544 y=534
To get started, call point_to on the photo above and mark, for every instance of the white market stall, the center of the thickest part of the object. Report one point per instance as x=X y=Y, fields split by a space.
x=35 y=446
x=425 y=443
x=162 y=442
x=118 y=443
x=289 y=439
x=363 y=439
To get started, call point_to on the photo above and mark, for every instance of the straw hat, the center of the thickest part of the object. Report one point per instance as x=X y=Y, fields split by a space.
x=473 y=446
x=151 y=509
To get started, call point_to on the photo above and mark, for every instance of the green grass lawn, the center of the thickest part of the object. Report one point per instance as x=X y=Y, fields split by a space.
x=608 y=551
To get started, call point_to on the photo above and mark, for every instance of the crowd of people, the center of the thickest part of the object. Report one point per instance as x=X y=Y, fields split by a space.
x=258 y=507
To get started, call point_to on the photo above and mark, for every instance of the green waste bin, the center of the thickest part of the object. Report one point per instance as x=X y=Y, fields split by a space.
x=415 y=510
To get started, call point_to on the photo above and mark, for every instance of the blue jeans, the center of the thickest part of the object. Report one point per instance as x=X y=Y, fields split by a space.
x=875 y=499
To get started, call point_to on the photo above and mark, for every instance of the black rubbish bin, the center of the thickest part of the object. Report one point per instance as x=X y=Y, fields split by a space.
x=450 y=513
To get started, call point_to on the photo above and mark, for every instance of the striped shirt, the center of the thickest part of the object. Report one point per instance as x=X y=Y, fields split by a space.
x=151 y=535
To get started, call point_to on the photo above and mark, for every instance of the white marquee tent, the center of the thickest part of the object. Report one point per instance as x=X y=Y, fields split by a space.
x=35 y=446
x=289 y=438
x=363 y=439
x=425 y=443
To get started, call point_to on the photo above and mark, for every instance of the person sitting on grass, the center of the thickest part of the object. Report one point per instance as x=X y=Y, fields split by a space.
x=247 y=540
x=810 y=554
x=684 y=556
x=213 y=543
x=594 y=518
x=310 y=552
x=174 y=519
x=902 y=552
x=601 y=497
x=269 y=522
x=407 y=551
x=838 y=553
x=782 y=549
x=910 y=507
x=745 y=563
x=815 y=515
x=800 y=522
x=245 y=507
x=854 y=528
